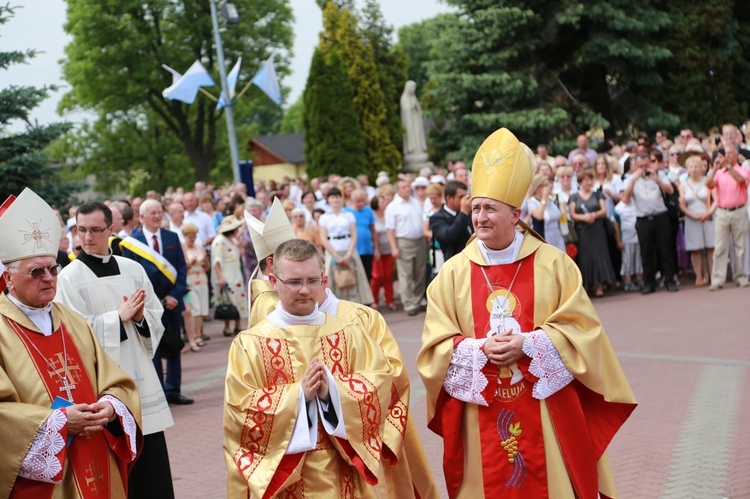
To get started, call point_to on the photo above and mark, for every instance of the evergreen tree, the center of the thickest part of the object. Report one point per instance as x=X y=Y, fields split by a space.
x=341 y=33
x=23 y=162
x=333 y=136
x=706 y=80
x=491 y=75
x=391 y=65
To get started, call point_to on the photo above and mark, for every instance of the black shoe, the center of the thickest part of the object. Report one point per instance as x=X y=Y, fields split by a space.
x=648 y=290
x=412 y=312
x=672 y=287
x=179 y=400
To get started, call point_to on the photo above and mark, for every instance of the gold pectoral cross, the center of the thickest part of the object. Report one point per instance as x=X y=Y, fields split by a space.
x=64 y=372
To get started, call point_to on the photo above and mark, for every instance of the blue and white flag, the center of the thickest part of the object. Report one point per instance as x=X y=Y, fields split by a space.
x=266 y=80
x=185 y=88
x=232 y=78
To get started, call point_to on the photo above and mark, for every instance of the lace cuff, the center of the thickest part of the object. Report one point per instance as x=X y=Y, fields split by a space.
x=546 y=364
x=43 y=462
x=127 y=421
x=464 y=379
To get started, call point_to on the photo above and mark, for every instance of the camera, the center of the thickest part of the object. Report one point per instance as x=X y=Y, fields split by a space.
x=717 y=140
x=646 y=173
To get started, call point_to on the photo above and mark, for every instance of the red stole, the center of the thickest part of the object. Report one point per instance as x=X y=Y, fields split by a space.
x=88 y=457
x=513 y=461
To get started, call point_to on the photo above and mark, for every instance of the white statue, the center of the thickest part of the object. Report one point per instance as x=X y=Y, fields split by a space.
x=415 y=146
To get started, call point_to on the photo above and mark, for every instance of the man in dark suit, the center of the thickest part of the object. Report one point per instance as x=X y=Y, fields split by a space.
x=170 y=285
x=451 y=224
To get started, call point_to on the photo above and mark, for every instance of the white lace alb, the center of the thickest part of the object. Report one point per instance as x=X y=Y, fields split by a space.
x=546 y=364
x=41 y=463
x=127 y=421
x=464 y=380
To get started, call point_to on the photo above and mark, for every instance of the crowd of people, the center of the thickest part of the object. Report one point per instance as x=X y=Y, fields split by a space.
x=297 y=268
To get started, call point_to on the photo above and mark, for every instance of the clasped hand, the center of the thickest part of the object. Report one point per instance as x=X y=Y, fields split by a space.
x=87 y=419
x=132 y=307
x=504 y=349
x=315 y=381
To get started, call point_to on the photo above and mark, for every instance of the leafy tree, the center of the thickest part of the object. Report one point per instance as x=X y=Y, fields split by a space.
x=114 y=66
x=341 y=33
x=333 y=136
x=293 y=120
x=23 y=162
x=418 y=42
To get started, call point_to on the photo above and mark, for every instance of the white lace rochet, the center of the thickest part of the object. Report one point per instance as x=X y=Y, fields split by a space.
x=127 y=421
x=464 y=379
x=41 y=463
x=546 y=364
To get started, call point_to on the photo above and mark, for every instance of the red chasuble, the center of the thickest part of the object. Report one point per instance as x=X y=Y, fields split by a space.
x=88 y=457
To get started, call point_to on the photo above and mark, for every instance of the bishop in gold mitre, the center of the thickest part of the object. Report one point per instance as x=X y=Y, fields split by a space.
x=69 y=417
x=522 y=382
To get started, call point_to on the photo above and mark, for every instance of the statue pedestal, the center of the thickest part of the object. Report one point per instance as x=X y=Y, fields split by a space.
x=414 y=162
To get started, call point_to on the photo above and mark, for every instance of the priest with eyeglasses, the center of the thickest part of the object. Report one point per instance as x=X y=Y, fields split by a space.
x=69 y=416
x=306 y=395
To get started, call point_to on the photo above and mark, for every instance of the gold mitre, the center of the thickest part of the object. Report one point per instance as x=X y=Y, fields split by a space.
x=502 y=170
x=29 y=228
x=268 y=236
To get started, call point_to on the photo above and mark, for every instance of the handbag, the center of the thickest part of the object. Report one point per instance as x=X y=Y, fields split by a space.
x=572 y=236
x=171 y=343
x=225 y=310
x=344 y=276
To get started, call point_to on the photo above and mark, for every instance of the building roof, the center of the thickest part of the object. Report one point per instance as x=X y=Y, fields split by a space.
x=289 y=147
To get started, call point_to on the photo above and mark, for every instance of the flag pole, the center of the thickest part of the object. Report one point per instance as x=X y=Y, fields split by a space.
x=242 y=92
x=233 y=149
x=207 y=94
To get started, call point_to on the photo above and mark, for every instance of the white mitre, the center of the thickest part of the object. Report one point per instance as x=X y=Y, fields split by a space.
x=29 y=228
x=269 y=235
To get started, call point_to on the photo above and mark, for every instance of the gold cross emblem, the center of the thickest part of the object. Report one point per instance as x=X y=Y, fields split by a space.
x=94 y=474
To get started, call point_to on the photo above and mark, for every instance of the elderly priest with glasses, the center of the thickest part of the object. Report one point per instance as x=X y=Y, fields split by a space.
x=69 y=417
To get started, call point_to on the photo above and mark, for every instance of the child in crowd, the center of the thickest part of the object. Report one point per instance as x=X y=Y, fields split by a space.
x=631 y=252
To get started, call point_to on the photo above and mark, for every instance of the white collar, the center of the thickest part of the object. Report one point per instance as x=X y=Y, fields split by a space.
x=454 y=213
x=280 y=317
x=39 y=316
x=505 y=255
x=331 y=303
x=103 y=258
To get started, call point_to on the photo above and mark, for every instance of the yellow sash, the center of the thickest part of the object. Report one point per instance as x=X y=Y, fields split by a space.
x=146 y=252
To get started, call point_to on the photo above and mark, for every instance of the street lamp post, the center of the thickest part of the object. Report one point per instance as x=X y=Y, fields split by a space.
x=233 y=150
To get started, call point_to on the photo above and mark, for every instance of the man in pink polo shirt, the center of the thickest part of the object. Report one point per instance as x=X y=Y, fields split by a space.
x=730 y=180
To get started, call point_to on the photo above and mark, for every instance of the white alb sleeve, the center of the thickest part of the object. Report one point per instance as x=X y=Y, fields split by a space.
x=464 y=379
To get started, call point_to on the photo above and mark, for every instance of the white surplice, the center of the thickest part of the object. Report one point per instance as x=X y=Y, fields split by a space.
x=98 y=300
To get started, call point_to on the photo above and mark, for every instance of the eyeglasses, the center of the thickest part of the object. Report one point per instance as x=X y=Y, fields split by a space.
x=296 y=284
x=93 y=230
x=674 y=154
x=39 y=272
x=654 y=160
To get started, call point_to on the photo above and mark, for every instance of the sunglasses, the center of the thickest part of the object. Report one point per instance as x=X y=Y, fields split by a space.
x=39 y=272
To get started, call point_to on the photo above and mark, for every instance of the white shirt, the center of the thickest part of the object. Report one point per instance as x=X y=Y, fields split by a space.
x=178 y=231
x=405 y=218
x=150 y=239
x=204 y=223
x=338 y=228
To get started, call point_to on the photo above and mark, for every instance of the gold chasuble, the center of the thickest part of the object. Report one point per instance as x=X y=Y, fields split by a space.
x=519 y=446
x=92 y=467
x=409 y=474
x=262 y=389
x=262 y=299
